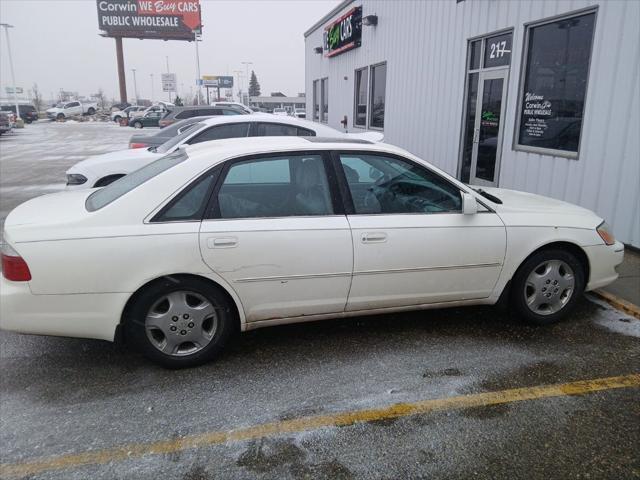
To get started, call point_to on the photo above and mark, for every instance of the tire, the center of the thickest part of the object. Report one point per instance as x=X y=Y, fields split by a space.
x=547 y=286
x=117 y=118
x=60 y=116
x=137 y=125
x=180 y=322
x=91 y=111
x=104 y=181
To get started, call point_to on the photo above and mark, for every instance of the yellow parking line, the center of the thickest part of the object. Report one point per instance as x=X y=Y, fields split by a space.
x=136 y=450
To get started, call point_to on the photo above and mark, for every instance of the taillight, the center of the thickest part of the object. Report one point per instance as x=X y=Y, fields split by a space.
x=137 y=145
x=14 y=267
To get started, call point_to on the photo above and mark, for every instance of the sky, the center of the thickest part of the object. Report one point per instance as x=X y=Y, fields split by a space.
x=55 y=43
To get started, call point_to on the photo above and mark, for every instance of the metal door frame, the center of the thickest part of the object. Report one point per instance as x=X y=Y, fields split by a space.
x=502 y=73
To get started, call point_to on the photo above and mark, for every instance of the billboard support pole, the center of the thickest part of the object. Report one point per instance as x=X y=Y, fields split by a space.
x=121 y=76
x=199 y=81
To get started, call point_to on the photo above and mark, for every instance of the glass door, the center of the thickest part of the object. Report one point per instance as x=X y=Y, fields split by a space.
x=488 y=127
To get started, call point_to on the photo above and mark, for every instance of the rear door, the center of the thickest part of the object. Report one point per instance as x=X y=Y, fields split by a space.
x=277 y=234
x=412 y=244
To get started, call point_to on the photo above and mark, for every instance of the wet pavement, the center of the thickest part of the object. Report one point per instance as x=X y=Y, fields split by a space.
x=64 y=396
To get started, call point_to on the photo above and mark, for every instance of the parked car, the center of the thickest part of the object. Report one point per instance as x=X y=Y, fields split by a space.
x=27 y=111
x=162 y=108
x=180 y=113
x=104 y=169
x=69 y=109
x=280 y=111
x=164 y=134
x=269 y=231
x=149 y=119
x=299 y=113
x=117 y=115
x=5 y=122
x=119 y=106
x=236 y=105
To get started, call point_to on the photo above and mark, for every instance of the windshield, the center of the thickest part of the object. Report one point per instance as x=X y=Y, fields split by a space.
x=178 y=139
x=115 y=190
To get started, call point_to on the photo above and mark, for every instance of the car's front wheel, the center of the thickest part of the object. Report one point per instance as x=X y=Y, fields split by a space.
x=547 y=286
x=117 y=118
x=180 y=322
x=137 y=124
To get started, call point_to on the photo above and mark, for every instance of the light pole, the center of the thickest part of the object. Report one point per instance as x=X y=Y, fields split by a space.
x=239 y=75
x=169 y=92
x=152 y=95
x=135 y=85
x=246 y=64
x=13 y=77
x=199 y=80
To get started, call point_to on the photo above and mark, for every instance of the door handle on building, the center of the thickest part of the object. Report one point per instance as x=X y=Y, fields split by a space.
x=222 y=242
x=374 y=237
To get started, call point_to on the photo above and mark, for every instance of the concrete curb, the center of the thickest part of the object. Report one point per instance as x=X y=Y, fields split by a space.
x=619 y=303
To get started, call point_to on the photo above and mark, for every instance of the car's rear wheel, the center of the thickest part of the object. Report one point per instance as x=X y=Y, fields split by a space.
x=180 y=322
x=137 y=124
x=91 y=111
x=117 y=118
x=547 y=286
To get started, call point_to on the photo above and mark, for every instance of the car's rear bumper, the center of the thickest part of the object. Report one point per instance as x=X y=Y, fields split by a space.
x=79 y=315
x=603 y=260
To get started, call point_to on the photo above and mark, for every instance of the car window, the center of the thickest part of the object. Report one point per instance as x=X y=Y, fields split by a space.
x=185 y=114
x=218 y=132
x=230 y=111
x=305 y=132
x=275 y=130
x=178 y=139
x=190 y=203
x=283 y=186
x=115 y=190
x=381 y=184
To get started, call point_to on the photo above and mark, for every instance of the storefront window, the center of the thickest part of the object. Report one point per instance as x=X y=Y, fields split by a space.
x=378 y=87
x=316 y=100
x=555 y=84
x=324 y=99
x=360 y=107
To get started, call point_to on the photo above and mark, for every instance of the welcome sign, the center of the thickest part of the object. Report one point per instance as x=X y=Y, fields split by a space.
x=344 y=33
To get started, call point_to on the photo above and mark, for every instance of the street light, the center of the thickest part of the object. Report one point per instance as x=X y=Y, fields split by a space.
x=13 y=77
x=198 y=38
x=246 y=64
x=152 y=95
x=135 y=86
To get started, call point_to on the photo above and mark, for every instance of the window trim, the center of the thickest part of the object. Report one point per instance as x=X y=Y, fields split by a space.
x=370 y=99
x=212 y=210
x=355 y=97
x=346 y=191
x=516 y=146
x=315 y=98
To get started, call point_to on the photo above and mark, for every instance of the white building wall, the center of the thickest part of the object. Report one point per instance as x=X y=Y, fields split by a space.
x=424 y=44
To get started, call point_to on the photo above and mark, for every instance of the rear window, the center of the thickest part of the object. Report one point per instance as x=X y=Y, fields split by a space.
x=172 y=142
x=115 y=190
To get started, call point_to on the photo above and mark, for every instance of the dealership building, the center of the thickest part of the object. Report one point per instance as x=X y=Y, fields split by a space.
x=539 y=96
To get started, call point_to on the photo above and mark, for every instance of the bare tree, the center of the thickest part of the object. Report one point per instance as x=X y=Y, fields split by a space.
x=101 y=99
x=37 y=97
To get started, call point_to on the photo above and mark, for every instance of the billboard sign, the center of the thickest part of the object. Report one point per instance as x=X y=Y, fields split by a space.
x=344 y=33
x=155 y=19
x=169 y=82
x=9 y=90
x=217 y=81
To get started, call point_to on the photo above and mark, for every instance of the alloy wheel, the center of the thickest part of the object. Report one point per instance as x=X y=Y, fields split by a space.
x=549 y=287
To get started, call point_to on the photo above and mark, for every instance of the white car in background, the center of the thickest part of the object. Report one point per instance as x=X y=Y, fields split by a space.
x=160 y=107
x=246 y=233
x=69 y=109
x=101 y=170
x=117 y=115
x=280 y=111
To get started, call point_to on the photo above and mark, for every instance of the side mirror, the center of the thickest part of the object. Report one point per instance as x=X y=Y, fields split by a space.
x=469 y=204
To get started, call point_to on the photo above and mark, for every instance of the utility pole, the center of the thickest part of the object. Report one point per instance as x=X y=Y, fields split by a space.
x=238 y=74
x=135 y=85
x=167 y=57
x=152 y=88
x=246 y=64
x=199 y=79
x=13 y=77
x=121 y=76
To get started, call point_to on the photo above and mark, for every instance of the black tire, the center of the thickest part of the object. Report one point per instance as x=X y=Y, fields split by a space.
x=117 y=118
x=518 y=294
x=91 y=111
x=104 y=181
x=135 y=329
x=137 y=125
x=60 y=116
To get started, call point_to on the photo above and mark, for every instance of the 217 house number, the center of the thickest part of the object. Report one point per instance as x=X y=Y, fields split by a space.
x=498 y=49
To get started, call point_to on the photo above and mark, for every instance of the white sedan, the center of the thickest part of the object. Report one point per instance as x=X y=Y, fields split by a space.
x=101 y=170
x=247 y=233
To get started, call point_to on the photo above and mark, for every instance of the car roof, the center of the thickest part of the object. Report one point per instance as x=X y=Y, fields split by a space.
x=321 y=130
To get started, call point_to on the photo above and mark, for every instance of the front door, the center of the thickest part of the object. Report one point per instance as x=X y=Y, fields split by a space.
x=488 y=128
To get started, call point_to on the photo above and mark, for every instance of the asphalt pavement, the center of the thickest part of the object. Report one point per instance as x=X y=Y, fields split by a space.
x=456 y=394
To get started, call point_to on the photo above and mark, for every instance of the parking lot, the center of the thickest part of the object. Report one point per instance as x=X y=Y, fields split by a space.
x=459 y=393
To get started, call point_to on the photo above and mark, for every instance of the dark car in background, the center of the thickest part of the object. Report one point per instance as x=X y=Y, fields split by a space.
x=149 y=119
x=5 y=123
x=182 y=113
x=27 y=111
x=139 y=140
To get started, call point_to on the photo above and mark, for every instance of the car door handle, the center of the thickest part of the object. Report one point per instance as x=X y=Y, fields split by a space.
x=222 y=242
x=374 y=237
